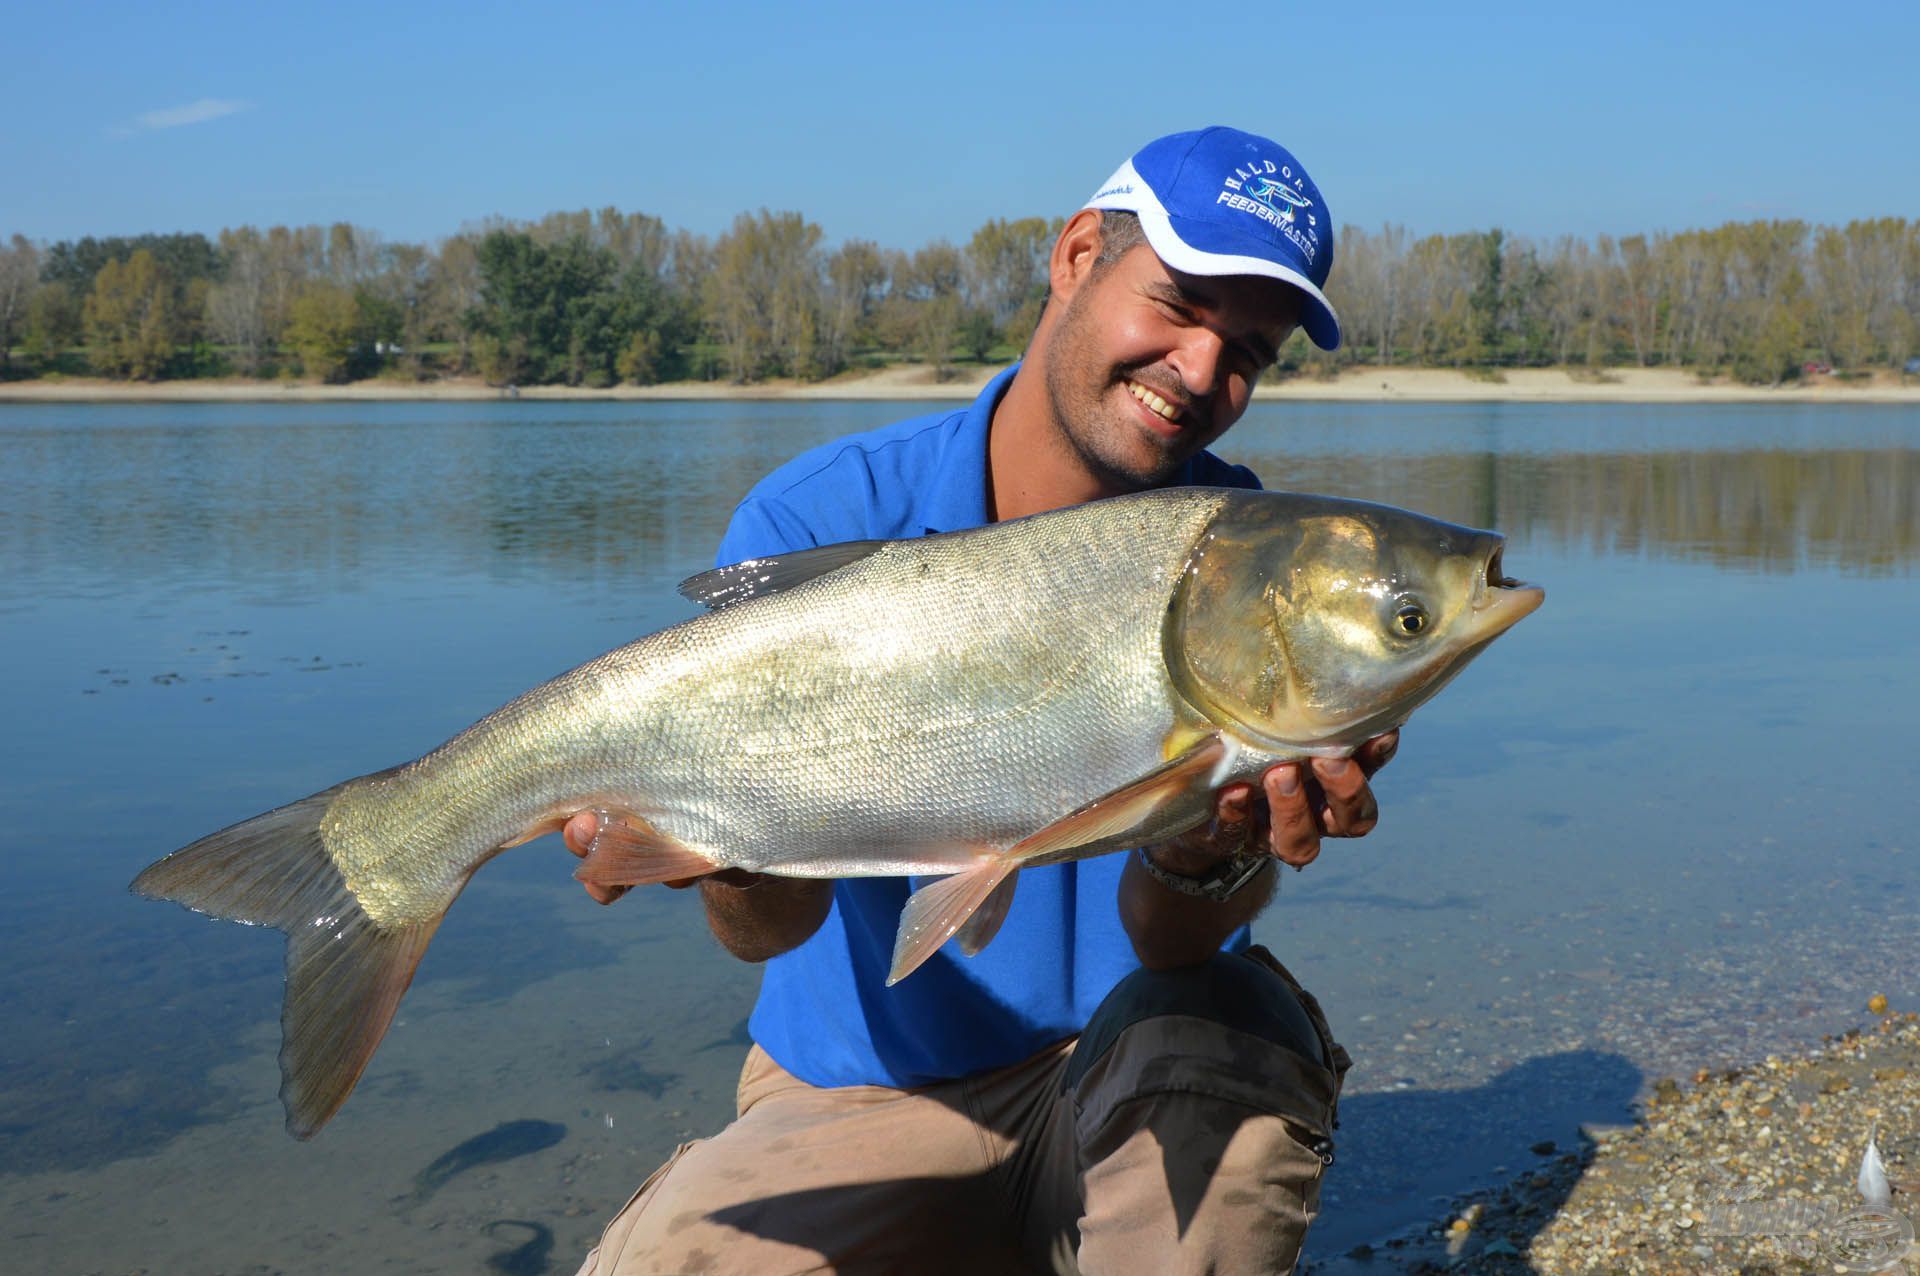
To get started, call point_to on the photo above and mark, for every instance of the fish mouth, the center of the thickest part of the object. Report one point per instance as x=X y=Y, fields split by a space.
x=1499 y=600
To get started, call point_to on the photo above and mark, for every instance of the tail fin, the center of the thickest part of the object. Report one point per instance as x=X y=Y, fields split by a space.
x=345 y=971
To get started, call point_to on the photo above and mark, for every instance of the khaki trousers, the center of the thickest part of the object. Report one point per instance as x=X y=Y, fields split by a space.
x=1185 y=1130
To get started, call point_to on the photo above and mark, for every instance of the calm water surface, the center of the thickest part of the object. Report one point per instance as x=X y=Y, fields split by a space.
x=1667 y=823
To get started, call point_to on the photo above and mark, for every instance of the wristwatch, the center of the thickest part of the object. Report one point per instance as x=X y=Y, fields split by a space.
x=1219 y=884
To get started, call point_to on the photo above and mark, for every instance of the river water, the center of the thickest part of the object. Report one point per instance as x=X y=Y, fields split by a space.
x=1667 y=823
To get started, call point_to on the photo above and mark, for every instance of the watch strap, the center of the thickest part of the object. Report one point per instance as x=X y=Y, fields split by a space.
x=1220 y=883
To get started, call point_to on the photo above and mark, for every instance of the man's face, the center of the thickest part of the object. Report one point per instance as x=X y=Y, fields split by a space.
x=1147 y=365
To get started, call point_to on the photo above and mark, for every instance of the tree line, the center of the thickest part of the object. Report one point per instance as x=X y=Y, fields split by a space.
x=1755 y=300
x=597 y=298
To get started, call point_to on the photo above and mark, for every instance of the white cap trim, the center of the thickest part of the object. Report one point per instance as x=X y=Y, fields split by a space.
x=1125 y=191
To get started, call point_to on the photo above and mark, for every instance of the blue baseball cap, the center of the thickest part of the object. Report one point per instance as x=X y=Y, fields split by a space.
x=1223 y=202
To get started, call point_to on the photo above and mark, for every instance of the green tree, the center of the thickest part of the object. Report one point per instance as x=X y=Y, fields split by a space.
x=53 y=323
x=450 y=296
x=640 y=361
x=325 y=330
x=500 y=362
x=856 y=284
x=239 y=307
x=182 y=257
x=763 y=294
x=1006 y=272
x=930 y=285
x=552 y=311
x=976 y=333
x=19 y=278
x=130 y=318
x=1487 y=300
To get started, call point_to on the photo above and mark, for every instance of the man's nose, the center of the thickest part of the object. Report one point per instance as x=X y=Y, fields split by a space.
x=1197 y=360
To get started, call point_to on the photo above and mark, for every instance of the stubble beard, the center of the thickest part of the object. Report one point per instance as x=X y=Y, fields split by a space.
x=1082 y=418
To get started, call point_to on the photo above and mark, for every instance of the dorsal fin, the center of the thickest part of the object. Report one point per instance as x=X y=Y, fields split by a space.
x=724 y=586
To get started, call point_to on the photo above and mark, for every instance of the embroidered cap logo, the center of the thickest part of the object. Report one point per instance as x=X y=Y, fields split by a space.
x=1280 y=198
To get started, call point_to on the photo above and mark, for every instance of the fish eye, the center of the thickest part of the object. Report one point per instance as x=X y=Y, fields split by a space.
x=1411 y=618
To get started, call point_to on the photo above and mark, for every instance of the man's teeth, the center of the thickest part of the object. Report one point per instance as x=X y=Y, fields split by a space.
x=1152 y=400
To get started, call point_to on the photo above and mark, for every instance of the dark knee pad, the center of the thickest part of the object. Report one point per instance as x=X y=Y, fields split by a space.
x=1239 y=990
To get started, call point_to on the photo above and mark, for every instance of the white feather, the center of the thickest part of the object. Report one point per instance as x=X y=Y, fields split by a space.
x=1873 y=1176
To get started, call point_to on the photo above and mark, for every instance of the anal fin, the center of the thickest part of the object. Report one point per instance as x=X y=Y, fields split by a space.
x=628 y=851
x=978 y=930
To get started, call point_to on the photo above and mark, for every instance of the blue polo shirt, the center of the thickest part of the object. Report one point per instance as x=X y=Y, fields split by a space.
x=825 y=1013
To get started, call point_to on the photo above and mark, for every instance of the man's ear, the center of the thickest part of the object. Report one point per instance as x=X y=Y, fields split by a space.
x=1074 y=253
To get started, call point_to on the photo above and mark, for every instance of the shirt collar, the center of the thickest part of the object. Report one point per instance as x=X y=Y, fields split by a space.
x=962 y=502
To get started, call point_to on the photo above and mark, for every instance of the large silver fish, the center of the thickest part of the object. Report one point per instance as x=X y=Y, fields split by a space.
x=964 y=705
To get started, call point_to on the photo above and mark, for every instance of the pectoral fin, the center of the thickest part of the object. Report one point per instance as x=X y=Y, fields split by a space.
x=628 y=851
x=974 y=903
x=1129 y=807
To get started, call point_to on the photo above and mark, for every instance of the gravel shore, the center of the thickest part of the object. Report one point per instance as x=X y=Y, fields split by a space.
x=1750 y=1171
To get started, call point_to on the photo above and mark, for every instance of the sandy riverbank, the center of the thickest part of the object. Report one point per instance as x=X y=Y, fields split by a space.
x=914 y=382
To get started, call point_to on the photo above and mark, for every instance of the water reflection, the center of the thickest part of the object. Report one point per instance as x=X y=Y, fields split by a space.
x=318 y=505
x=1857 y=510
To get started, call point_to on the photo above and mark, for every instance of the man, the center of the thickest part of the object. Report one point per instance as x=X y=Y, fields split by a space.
x=1104 y=1088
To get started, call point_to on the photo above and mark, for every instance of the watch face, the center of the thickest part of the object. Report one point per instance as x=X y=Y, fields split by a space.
x=1238 y=871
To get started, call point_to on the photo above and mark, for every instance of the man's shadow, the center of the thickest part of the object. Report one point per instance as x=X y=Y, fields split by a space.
x=1401 y=1156
x=1404 y=1155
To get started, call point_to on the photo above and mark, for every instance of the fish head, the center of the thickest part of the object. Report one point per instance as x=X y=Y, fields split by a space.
x=1317 y=622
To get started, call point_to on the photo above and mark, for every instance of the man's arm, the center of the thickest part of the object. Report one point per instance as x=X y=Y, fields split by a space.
x=1287 y=816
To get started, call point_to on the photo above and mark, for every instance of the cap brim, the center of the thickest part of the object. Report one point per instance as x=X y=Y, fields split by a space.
x=1317 y=316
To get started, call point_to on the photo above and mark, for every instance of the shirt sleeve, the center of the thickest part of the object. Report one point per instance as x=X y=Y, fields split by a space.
x=1214 y=472
x=761 y=529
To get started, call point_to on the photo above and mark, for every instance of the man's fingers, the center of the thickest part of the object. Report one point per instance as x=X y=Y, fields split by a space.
x=1377 y=752
x=1232 y=818
x=1350 y=810
x=578 y=833
x=1294 y=836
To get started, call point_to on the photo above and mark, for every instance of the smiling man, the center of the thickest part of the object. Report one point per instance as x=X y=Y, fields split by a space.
x=1121 y=1082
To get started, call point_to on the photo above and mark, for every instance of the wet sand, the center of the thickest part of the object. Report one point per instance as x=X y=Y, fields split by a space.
x=915 y=382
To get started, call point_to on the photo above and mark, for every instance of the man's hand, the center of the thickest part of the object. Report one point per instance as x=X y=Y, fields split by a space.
x=754 y=915
x=578 y=833
x=1294 y=807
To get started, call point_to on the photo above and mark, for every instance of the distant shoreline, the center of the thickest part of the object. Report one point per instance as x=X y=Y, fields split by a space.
x=917 y=382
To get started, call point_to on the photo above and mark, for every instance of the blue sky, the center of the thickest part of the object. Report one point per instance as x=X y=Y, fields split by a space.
x=902 y=124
